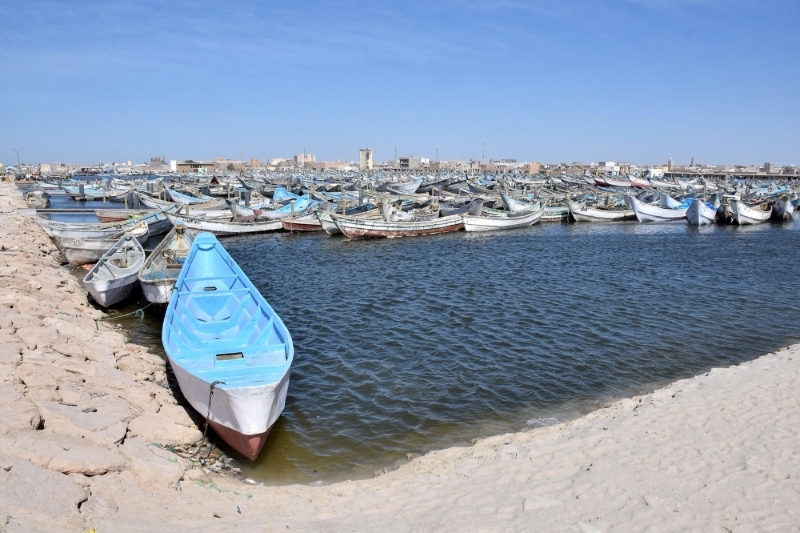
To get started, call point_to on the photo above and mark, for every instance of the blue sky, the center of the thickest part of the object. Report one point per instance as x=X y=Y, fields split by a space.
x=570 y=80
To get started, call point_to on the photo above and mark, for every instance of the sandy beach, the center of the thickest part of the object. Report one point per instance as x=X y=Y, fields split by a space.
x=85 y=429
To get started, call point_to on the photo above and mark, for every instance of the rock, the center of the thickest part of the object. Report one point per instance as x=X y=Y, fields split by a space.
x=196 y=474
x=113 y=406
x=30 y=489
x=99 y=506
x=37 y=337
x=36 y=375
x=98 y=428
x=11 y=354
x=157 y=428
x=24 y=321
x=16 y=413
x=135 y=367
x=178 y=414
x=83 y=350
x=63 y=453
x=152 y=466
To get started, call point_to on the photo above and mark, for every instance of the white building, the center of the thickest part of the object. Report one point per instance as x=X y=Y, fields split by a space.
x=365 y=159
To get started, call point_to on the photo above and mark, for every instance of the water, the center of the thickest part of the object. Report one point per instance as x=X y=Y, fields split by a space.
x=408 y=345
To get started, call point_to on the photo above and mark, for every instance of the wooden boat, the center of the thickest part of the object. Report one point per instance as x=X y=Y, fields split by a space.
x=161 y=269
x=302 y=224
x=750 y=214
x=119 y=215
x=555 y=213
x=655 y=213
x=584 y=213
x=639 y=183
x=185 y=199
x=222 y=228
x=401 y=187
x=511 y=220
x=79 y=252
x=364 y=228
x=36 y=198
x=330 y=227
x=157 y=222
x=222 y=336
x=113 y=278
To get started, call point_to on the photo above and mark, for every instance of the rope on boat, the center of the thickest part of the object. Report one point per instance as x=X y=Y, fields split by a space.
x=139 y=313
x=208 y=415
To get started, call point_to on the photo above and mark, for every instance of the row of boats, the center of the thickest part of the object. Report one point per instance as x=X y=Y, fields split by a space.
x=229 y=350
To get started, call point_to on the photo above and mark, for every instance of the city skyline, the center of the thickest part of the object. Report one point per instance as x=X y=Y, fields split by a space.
x=632 y=80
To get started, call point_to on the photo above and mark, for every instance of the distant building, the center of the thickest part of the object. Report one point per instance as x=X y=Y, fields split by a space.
x=670 y=164
x=365 y=159
x=194 y=166
x=771 y=168
x=691 y=165
x=161 y=160
x=173 y=165
x=531 y=168
x=609 y=168
x=302 y=159
x=410 y=162
x=254 y=162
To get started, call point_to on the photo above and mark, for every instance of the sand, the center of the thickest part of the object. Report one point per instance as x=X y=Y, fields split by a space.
x=713 y=453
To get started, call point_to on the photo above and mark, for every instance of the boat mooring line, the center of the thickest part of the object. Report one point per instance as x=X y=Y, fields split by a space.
x=208 y=415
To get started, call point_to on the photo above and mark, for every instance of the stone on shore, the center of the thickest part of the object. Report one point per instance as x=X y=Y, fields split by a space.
x=68 y=454
x=157 y=428
x=71 y=420
x=177 y=414
x=17 y=413
x=153 y=466
x=31 y=497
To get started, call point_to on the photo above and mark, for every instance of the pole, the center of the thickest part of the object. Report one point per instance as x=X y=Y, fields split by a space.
x=18 y=168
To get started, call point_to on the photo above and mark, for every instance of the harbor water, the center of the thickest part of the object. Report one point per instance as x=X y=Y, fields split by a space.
x=410 y=345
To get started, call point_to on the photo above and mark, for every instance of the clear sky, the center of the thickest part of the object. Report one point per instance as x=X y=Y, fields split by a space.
x=566 y=80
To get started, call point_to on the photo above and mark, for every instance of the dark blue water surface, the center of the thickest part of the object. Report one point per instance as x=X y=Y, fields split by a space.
x=408 y=345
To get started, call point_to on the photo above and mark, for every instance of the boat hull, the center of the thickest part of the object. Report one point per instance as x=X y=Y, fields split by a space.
x=652 y=213
x=700 y=214
x=583 y=213
x=746 y=215
x=482 y=223
x=358 y=228
x=222 y=229
x=302 y=224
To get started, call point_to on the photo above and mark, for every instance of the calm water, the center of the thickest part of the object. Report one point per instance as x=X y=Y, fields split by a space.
x=408 y=345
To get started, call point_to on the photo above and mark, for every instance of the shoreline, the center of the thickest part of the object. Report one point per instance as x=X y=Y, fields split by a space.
x=709 y=452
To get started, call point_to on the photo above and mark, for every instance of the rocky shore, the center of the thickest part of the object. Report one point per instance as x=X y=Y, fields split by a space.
x=90 y=438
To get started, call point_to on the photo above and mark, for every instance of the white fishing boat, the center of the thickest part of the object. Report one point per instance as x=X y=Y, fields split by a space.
x=701 y=213
x=584 y=213
x=745 y=214
x=113 y=278
x=361 y=228
x=493 y=222
x=79 y=252
x=157 y=223
x=162 y=268
x=783 y=209
x=655 y=213
x=221 y=227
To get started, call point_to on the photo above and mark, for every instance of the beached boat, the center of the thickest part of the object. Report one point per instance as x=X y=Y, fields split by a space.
x=750 y=214
x=161 y=269
x=330 y=227
x=79 y=252
x=639 y=183
x=511 y=220
x=701 y=213
x=221 y=227
x=363 y=228
x=231 y=353
x=655 y=213
x=113 y=278
x=584 y=213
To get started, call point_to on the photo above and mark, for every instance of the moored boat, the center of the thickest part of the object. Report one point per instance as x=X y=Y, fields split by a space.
x=221 y=227
x=655 y=213
x=512 y=220
x=584 y=213
x=701 y=213
x=113 y=278
x=364 y=228
x=231 y=353
x=161 y=269
x=79 y=252
x=750 y=214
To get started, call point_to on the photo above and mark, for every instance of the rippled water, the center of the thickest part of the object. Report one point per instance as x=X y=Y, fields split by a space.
x=408 y=345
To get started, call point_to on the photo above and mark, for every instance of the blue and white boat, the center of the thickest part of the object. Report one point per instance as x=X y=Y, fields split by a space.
x=221 y=335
